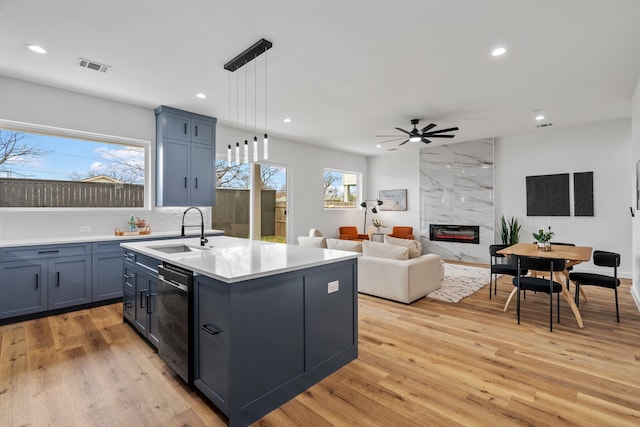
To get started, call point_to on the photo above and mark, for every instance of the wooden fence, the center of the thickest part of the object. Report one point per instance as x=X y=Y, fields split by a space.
x=68 y=194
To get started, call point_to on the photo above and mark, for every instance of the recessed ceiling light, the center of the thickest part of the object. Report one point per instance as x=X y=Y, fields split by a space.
x=201 y=95
x=37 y=49
x=287 y=120
x=499 y=51
x=379 y=146
x=539 y=116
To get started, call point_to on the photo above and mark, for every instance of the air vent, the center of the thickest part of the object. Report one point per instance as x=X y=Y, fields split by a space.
x=93 y=65
x=544 y=125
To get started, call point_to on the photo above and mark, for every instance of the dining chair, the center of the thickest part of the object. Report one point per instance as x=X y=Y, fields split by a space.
x=568 y=268
x=499 y=266
x=601 y=259
x=537 y=284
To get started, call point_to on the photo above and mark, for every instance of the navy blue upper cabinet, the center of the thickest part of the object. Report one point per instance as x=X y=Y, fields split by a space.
x=185 y=158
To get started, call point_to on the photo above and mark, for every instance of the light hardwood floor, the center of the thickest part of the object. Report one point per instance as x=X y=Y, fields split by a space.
x=426 y=364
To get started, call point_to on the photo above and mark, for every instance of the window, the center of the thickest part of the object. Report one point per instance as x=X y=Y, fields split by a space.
x=62 y=170
x=340 y=189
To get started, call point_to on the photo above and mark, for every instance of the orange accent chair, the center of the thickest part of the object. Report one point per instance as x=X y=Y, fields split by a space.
x=402 y=232
x=351 y=233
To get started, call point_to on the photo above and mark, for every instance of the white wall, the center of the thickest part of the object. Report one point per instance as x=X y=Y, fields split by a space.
x=635 y=156
x=605 y=149
x=42 y=105
x=392 y=171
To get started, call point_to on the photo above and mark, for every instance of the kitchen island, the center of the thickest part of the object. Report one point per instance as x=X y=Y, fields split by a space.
x=269 y=320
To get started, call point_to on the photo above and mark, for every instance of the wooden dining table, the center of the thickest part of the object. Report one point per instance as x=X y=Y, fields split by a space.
x=572 y=254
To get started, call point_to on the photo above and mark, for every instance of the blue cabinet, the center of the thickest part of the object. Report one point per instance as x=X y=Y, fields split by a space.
x=185 y=158
x=260 y=342
x=35 y=279
x=140 y=289
x=106 y=271
x=23 y=288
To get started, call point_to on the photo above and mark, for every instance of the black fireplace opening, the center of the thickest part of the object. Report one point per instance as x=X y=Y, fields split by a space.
x=454 y=233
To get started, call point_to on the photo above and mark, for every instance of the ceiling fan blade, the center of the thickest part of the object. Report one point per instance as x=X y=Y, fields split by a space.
x=440 y=136
x=427 y=127
x=402 y=130
x=426 y=141
x=442 y=130
x=394 y=139
x=404 y=142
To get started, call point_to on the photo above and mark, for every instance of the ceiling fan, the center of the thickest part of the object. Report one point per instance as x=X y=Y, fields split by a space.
x=419 y=135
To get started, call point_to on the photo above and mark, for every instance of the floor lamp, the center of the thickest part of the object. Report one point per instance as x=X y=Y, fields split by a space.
x=364 y=204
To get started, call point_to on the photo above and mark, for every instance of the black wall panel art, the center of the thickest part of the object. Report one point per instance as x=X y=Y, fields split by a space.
x=583 y=194
x=548 y=195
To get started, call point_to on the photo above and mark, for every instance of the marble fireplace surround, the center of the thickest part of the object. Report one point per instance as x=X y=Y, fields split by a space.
x=456 y=187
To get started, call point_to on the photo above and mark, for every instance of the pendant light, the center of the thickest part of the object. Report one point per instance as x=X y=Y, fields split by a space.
x=237 y=153
x=229 y=155
x=239 y=61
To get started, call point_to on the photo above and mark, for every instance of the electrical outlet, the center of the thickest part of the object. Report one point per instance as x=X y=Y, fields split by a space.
x=85 y=229
x=333 y=287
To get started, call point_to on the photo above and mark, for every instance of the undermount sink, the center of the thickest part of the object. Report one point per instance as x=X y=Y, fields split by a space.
x=174 y=249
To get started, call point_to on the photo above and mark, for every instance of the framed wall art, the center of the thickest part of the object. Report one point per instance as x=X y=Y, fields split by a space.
x=393 y=200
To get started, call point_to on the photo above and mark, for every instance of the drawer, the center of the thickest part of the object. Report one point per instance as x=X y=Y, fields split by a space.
x=136 y=259
x=106 y=247
x=45 y=251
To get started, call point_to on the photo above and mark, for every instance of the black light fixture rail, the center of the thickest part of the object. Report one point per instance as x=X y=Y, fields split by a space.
x=257 y=49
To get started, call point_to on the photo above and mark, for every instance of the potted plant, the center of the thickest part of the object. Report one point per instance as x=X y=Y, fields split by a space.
x=377 y=224
x=544 y=239
x=509 y=232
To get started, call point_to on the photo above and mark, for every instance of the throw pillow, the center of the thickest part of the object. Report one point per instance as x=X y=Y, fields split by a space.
x=383 y=250
x=314 y=242
x=415 y=247
x=344 y=245
x=314 y=232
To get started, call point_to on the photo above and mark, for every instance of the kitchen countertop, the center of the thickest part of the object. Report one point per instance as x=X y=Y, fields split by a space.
x=231 y=259
x=99 y=238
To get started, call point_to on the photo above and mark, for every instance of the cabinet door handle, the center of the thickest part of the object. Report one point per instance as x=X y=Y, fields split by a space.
x=149 y=311
x=196 y=130
x=142 y=297
x=129 y=257
x=196 y=182
x=185 y=128
x=37 y=280
x=57 y=279
x=210 y=329
x=185 y=182
x=55 y=251
x=128 y=276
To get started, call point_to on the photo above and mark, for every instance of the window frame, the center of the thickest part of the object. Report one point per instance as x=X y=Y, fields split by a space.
x=16 y=126
x=358 y=176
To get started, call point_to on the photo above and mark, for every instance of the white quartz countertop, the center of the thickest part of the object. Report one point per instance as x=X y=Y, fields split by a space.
x=231 y=259
x=100 y=238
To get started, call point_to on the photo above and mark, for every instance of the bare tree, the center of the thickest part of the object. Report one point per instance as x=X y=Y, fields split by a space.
x=231 y=176
x=267 y=175
x=14 y=150
x=330 y=178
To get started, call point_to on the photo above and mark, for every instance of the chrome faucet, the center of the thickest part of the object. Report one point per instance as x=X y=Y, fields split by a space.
x=203 y=239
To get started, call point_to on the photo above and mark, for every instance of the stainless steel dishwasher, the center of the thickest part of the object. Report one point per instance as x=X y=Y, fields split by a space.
x=175 y=319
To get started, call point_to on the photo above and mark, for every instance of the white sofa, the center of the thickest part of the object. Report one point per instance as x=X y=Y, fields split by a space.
x=385 y=270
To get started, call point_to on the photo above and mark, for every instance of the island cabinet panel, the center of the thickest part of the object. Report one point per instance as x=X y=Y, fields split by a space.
x=260 y=342
x=329 y=316
x=106 y=270
x=212 y=335
x=140 y=289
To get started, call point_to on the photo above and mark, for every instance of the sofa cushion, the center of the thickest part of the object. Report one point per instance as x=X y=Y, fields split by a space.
x=345 y=245
x=384 y=250
x=415 y=247
x=314 y=232
x=315 y=242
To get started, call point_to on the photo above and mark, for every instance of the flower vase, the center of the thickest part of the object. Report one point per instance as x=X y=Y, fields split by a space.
x=544 y=246
x=377 y=229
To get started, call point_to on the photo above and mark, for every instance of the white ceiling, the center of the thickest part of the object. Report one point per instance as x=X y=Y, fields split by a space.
x=342 y=70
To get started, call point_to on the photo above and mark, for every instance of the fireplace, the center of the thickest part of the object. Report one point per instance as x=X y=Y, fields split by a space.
x=454 y=233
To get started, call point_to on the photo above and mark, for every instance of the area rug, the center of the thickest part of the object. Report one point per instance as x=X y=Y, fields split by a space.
x=459 y=282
